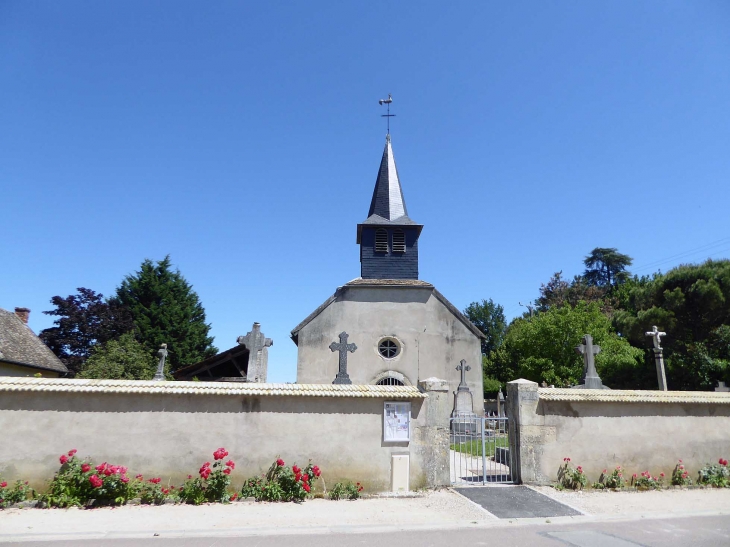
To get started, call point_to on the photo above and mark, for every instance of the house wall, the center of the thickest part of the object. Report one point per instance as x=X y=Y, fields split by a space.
x=170 y=430
x=9 y=369
x=600 y=429
x=432 y=339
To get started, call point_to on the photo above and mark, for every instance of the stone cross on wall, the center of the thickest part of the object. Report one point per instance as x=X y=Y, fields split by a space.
x=343 y=347
x=721 y=387
x=162 y=354
x=463 y=368
x=589 y=352
x=658 y=357
x=656 y=336
x=258 y=353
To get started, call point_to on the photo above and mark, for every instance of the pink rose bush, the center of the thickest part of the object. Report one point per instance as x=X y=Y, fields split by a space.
x=282 y=483
x=212 y=482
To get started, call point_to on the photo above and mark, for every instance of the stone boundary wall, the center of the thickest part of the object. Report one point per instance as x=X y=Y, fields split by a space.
x=169 y=429
x=600 y=429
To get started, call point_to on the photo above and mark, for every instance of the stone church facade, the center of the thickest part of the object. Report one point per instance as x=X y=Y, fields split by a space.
x=404 y=329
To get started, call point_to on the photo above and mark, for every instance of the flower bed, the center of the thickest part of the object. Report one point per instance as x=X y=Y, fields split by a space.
x=82 y=484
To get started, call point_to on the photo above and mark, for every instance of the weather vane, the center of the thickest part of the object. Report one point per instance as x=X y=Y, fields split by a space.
x=388 y=116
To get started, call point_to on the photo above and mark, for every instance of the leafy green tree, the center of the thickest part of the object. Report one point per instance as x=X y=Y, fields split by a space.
x=691 y=303
x=543 y=348
x=558 y=292
x=489 y=318
x=85 y=320
x=165 y=309
x=606 y=267
x=122 y=359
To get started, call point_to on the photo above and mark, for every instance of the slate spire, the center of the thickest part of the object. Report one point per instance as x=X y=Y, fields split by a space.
x=388 y=238
x=388 y=202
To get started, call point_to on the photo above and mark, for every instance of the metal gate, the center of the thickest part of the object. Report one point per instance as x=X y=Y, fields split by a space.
x=479 y=450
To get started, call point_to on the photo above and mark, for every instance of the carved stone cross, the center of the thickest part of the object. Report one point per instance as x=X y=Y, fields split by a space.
x=343 y=347
x=658 y=357
x=162 y=354
x=656 y=336
x=463 y=368
x=589 y=352
x=721 y=387
x=256 y=343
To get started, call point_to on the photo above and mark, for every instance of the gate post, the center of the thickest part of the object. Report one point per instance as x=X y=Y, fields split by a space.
x=522 y=399
x=434 y=433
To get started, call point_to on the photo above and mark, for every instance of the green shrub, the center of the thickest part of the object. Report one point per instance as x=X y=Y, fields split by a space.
x=345 y=491
x=717 y=475
x=10 y=495
x=571 y=477
x=680 y=476
x=613 y=480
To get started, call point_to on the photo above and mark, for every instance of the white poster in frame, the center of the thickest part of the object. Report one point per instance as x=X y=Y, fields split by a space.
x=396 y=421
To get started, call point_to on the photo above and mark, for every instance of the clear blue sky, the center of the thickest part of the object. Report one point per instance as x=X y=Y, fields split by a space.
x=243 y=139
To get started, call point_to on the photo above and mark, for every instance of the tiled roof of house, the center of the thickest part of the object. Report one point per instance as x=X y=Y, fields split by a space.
x=208 y=388
x=20 y=346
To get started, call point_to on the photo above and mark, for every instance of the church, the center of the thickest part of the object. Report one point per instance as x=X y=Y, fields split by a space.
x=400 y=329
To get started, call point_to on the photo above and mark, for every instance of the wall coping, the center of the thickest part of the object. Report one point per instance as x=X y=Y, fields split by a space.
x=632 y=396
x=207 y=388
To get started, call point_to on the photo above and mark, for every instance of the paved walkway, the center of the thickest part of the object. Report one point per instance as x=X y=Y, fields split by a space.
x=439 y=510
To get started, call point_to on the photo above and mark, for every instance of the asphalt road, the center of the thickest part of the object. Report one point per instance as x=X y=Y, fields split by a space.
x=709 y=531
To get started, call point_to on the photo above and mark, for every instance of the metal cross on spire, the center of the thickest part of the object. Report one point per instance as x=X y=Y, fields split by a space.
x=387 y=116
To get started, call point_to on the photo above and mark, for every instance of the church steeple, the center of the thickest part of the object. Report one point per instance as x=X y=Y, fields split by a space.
x=388 y=202
x=388 y=238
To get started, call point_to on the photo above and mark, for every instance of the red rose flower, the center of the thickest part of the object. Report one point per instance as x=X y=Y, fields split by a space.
x=306 y=487
x=63 y=459
x=661 y=474
x=227 y=471
x=124 y=479
x=316 y=471
x=85 y=467
x=231 y=464
x=280 y=462
x=3 y=484
x=295 y=469
x=233 y=497
x=95 y=481
x=108 y=472
x=100 y=467
x=190 y=477
x=139 y=477
x=298 y=477
x=220 y=453
x=72 y=452
x=305 y=477
x=165 y=491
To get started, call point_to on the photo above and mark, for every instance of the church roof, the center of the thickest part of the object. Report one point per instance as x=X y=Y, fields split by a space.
x=404 y=283
x=388 y=206
x=20 y=346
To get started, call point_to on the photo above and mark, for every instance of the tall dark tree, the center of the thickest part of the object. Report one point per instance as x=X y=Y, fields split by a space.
x=85 y=320
x=691 y=303
x=606 y=267
x=165 y=309
x=558 y=292
x=488 y=318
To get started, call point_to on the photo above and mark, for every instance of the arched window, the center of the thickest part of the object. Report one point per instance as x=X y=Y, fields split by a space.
x=399 y=241
x=389 y=381
x=381 y=240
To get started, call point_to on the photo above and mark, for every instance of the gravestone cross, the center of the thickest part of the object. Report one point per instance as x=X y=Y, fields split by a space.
x=463 y=368
x=589 y=352
x=659 y=356
x=343 y=347
x=162 y=354
x=258 y=354
x=721 y=387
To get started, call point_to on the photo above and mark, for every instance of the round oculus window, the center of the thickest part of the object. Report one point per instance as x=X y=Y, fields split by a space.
x=388 y=348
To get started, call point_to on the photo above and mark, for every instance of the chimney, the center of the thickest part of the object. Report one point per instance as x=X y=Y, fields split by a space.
x=23 y=313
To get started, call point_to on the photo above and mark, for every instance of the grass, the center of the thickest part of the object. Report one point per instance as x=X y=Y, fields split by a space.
x=474 y=448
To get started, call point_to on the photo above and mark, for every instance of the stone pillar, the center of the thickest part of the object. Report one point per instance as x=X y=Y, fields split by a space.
x=433 y=440
x=522 y=398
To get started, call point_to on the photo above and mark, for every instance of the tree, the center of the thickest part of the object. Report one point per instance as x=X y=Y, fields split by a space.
x=606 y=267
x=543 y=348
x=85 y=320
x=691 y=303
x=558 y=292
x=123 y=359
x=488 y=317
x=165 y=309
